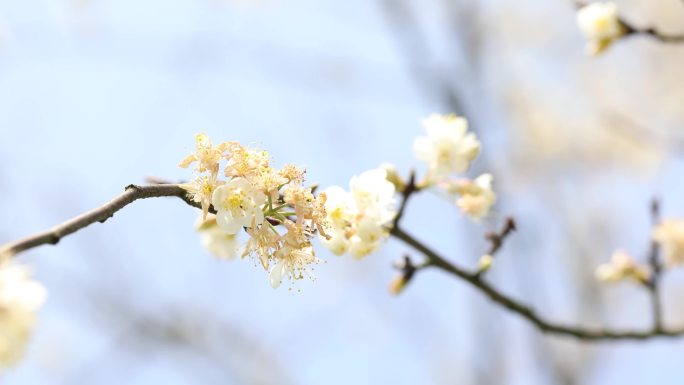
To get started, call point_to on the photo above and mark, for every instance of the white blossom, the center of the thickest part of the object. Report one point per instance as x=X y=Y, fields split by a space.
x=476 y=196
x=448 y=147
x=622 y=266
x=201 y=191
x=206 y=155
x=238 y=204
x=261 y=200
x=670 y=236
x=360 y=218
x=373 y=195
x=215 y=240
x=600 y=24
x=20 y=298
x=294 y=263
x=338 y=243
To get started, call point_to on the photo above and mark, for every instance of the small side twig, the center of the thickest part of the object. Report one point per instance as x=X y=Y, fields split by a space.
x=656 y=268
x=496 y=240
x=409 y=189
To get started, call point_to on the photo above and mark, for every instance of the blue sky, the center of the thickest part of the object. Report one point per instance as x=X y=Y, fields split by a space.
x=95 y=95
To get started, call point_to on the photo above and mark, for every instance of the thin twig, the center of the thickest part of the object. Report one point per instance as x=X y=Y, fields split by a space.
x=496 y=240
x=651 y=32
x=654 y=283
x=409 y=189
x=101 y=214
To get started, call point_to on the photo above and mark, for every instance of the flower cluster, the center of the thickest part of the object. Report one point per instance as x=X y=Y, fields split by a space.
x=601 y=25
x=449 y=149
x=360 y=218
x=622 y=266
x=20 y=298
x=258 y=200
x=668 y=235
x=280 y=216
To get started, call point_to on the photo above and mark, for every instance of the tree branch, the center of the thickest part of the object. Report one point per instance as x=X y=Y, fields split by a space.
x=651 y=32
x=475 y=279
x=435 y=260
x=134 y=192
x=101 y=214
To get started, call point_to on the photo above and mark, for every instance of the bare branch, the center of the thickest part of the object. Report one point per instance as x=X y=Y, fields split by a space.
x=101 y=214
x=651 y=32
x=523 y=310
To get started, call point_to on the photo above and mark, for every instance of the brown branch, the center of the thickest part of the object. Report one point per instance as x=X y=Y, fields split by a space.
x=651 y=32
x=523 y=310
x=409 y=189
x=496 y=240
x=101 y=214
x=133 y=193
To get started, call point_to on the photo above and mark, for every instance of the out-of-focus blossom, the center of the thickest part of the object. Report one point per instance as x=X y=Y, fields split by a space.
x=448 y=147
x=20 y=298
x=601 y=25
x=622 y=266
x=475 y=197
x=216 y=241
x=393 y=176
x=485 y=263
x=670 y=236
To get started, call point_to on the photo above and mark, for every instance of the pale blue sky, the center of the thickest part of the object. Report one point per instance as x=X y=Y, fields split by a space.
x=95 y=95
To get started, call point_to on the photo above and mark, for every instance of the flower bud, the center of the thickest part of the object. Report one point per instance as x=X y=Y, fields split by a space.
x=393 y=176
x=398 y=284
x=485 y=263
